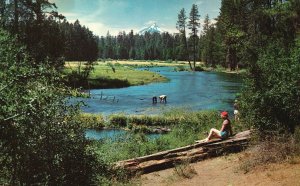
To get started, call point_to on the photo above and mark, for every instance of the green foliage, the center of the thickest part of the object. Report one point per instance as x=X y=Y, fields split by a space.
x=261 y=35
x=41 y=141
x=199 y=68
x=40 y=28
x=271 y=97
x=193 y=25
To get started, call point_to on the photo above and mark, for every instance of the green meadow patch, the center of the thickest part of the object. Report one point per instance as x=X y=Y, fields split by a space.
x=108 y=75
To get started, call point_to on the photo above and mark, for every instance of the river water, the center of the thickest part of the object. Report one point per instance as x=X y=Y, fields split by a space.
x=112 y=134
x=193 y=90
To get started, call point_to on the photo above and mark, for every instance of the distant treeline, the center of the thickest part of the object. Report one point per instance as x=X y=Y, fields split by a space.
x=150 y=46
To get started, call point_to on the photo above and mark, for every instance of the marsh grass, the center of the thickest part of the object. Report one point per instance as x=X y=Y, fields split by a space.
x=186 y=127
x=92 y=121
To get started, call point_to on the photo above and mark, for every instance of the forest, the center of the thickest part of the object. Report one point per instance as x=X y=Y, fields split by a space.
x=42 y=139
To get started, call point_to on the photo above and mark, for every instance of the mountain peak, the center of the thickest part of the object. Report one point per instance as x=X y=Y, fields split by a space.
x=154 y=28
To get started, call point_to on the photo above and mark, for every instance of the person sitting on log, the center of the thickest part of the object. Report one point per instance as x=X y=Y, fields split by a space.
x=163 y=98
x=225 y=131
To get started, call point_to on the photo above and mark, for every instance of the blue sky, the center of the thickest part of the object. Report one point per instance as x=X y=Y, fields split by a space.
x=114 y=16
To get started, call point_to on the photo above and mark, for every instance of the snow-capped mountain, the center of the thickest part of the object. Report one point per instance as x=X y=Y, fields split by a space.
x=151 y=29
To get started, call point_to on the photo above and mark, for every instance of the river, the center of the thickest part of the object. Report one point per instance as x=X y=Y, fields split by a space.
x=193 y=90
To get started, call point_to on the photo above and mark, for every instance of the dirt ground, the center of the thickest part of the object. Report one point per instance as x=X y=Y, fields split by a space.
x=226 y=171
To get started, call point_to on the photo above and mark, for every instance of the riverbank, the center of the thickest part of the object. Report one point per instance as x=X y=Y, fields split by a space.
x=224 y=70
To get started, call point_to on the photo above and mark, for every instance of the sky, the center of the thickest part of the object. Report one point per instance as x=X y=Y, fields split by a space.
x=115 y=16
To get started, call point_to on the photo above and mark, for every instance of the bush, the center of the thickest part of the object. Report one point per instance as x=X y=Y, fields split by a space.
x=270 y=99
x=41 y=141
x=199 y=69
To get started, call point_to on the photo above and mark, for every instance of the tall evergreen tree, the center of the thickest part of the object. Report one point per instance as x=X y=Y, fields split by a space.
x=231 y=18
x=131 y=54
x=181 y=27
x=194 y=24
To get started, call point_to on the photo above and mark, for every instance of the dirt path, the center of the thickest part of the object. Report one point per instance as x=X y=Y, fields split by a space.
x=225 y=171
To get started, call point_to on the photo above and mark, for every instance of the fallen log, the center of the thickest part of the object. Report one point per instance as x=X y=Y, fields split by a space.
x=191 y=153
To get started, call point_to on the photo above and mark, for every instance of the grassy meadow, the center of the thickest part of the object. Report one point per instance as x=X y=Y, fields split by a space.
x=112 y=75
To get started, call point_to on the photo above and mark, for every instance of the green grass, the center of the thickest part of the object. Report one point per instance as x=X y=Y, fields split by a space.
x=108 y=75
x=134 y=77
x=186 y=127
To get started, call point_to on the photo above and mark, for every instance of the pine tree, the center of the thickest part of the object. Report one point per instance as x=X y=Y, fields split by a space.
x=194 y=24
x=181 y=26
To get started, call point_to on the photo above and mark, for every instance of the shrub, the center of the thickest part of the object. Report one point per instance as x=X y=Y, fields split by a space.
x=199 y=68
x=270 y=100
x=41 y=141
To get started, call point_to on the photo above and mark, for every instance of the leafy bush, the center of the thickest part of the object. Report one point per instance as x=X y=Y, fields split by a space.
x=41 y=141
x=199 y=68
x=270 y=100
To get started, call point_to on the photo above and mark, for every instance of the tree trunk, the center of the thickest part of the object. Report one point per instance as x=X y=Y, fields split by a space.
x=231 y=58
x=187 y=53
x=194 y=52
